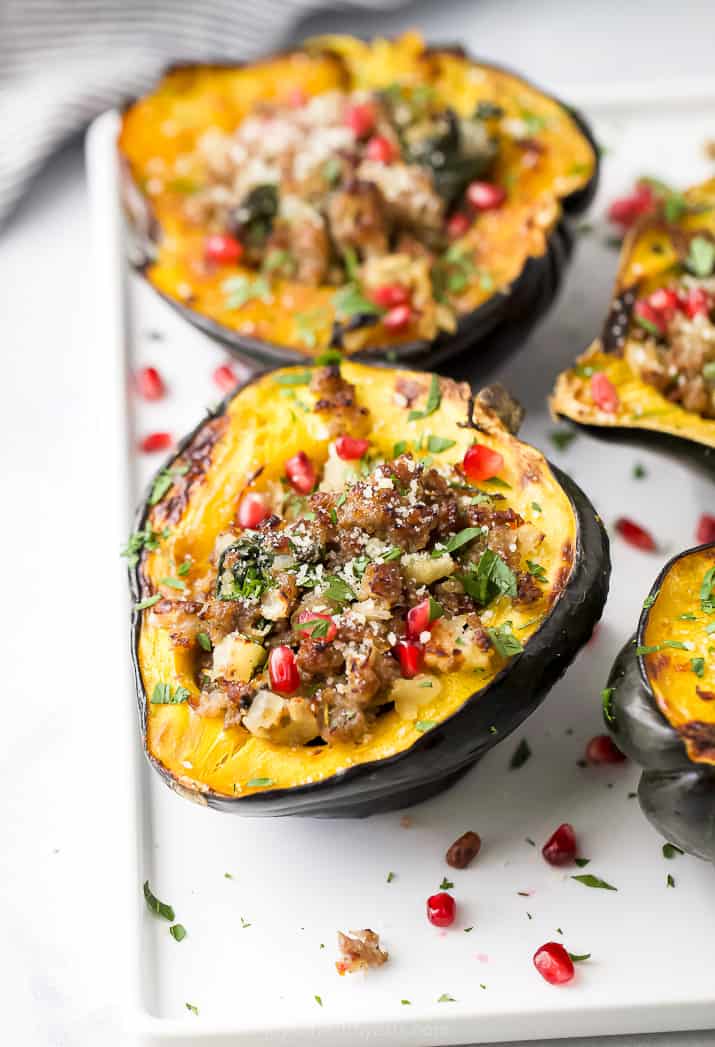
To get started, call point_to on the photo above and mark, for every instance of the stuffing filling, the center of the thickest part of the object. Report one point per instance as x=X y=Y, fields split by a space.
x=672 y=341
x=361 y=190
x=351 y=587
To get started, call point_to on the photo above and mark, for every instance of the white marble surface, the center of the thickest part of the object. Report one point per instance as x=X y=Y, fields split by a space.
x=62 y=945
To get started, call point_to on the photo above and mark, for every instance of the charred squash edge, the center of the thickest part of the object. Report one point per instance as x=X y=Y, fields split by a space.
x=446 y=752
x=506 y=317
x=676 y=793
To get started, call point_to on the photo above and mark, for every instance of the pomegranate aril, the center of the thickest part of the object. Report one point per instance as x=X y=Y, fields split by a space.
x=380 y=149
x=252 y=511
x=312 y=617
x=602 y=749
x=223 y=249
x=560 y=848
x=283 y=671
x=301 y=473
x=481 y=463
x=635 y=535
x=150 y=384
x=225 y=378
x=350 y=448
x=418 y=619
x=485 y=196
x=553 y=963
x=389 y=295
x=360 y=118
x=398 y=318
x=441 y=909
x=663 y=300
x=705 y=531
x=652 y=320
x=624 y=210
x=410 y=656
x=153 y=442
x=696 y=302
x=458 y=225
x=604 y=393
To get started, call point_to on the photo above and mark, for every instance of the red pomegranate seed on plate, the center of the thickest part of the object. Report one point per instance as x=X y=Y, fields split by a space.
x=150 y=384
x=398 y=318
x=705 y=531
x=360 y=118
x=441 y=909
x=457 y=225
x=350 y=448
x=696 y=302
x=419 y=619
x=604 y=393
x=225 y=378
x=223 y=249
x=153 y=442
x=663 y=300
x=650 y=317
x=301 y=473
x=252 y=511
x=485 y=196
x=380 y=149
x=560 y=848
x=553 y=963
x=481 y=463
x=625 y=209
x=389 y=295
x=635 y=535
x=283 y=671
x=410 y=656
x=311 y=616
x=602 y=749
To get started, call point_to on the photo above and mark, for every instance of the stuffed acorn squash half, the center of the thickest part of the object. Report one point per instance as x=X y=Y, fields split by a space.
x=380 y=196
x=651 y=377
x=350 y=583
x=660 y=701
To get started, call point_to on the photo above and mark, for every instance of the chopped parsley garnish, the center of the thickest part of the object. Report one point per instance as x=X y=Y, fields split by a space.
x=155 y=906
x=336 y=589
x=140 y=540
x=536 y=507
x=701 y=257
x=707 y=592
x=698 y=666
x=332 y=170
x=669 y=881
x=424 y=725
x=293 y=378
x=536 y=570
x=582 y=862
x=468 y=929
x=164 y=482
x=259 y=783
x=639 y=471
x=609 y=714
x=391 y=554
x=458 y=540
x=435 y=610
x=148 y=602
x=246 y=574
x=173 y=583
x=589 y=880
x=390 y=877
x=184 y=568
x=192 y=1007
x=239 y=290
x=649 y=601
x=434 y=399
x=446 y=885
x=519 y=757
x=350 y=301
x=165 y=694
x=399 y=448
x=318 y=1000
x=670 y=850
x=504 y=641
x=305 y=325
x=446 y=998
x=316 y=627
x=562 y=438
x=406 y=1003
x=437 y=444
x=177 y=932
x=579 y=957
x=648 y=326
x=204 y=641
x=654 y=648
x=492 y=577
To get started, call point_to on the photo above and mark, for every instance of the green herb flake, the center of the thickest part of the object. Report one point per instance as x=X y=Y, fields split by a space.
x=259 y=783
x=327 y=357
x=390 y=877
x=155 y=906
x=177 y=932
x=707 y=592
x=399 y=448
x=425 y=725
x=648 y=325
x=148 y=602
x=192 y=1007
x=164 y=482
x=460 y=539
x=698 y=666
x=406 y=1003
x=139 y=541
x=639 y=471
x=446 y=998
x=505 y=643
x=655 y=648
x=562 y=438
x=579 y=957
x=293 y=378
x=204 y=641
x=609 y=714
x=701 y=257
x=649 y=601
x=349 y=301
x=318 y=1000
x=173 y=583
x=446 y=885
x=537 y=571
x=435 y=610
x=669 y=881
x=492 y=577
x=670 y=850
x=244 y=923
x=437 y=444
x=434 y=399
x=165 y=694
x=588 y=880
x=468 y=929
x=519 y=757
x=332 y=170
x=238 y=290
x=536 y=507
x=582 y=862
x=687 y=617
x=337 y=590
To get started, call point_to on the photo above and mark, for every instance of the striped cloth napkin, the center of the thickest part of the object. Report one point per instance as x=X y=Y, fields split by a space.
x=64 y=61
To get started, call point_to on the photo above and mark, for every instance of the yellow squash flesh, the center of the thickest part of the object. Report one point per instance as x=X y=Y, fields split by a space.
x=684 y=698
x=160 y=131
x=267 y=422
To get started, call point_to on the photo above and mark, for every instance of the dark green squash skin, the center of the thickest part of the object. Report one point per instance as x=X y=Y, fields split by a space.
x=491 y=332
x=442 y=755
x=676 y=794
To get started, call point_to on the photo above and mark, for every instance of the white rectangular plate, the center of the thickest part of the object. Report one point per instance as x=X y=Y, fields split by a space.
x=295 y=881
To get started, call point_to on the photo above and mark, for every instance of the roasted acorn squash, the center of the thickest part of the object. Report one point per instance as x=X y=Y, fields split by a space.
x=463 y=682
x=657 y=351
x=660 y=701
x=324 y=247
